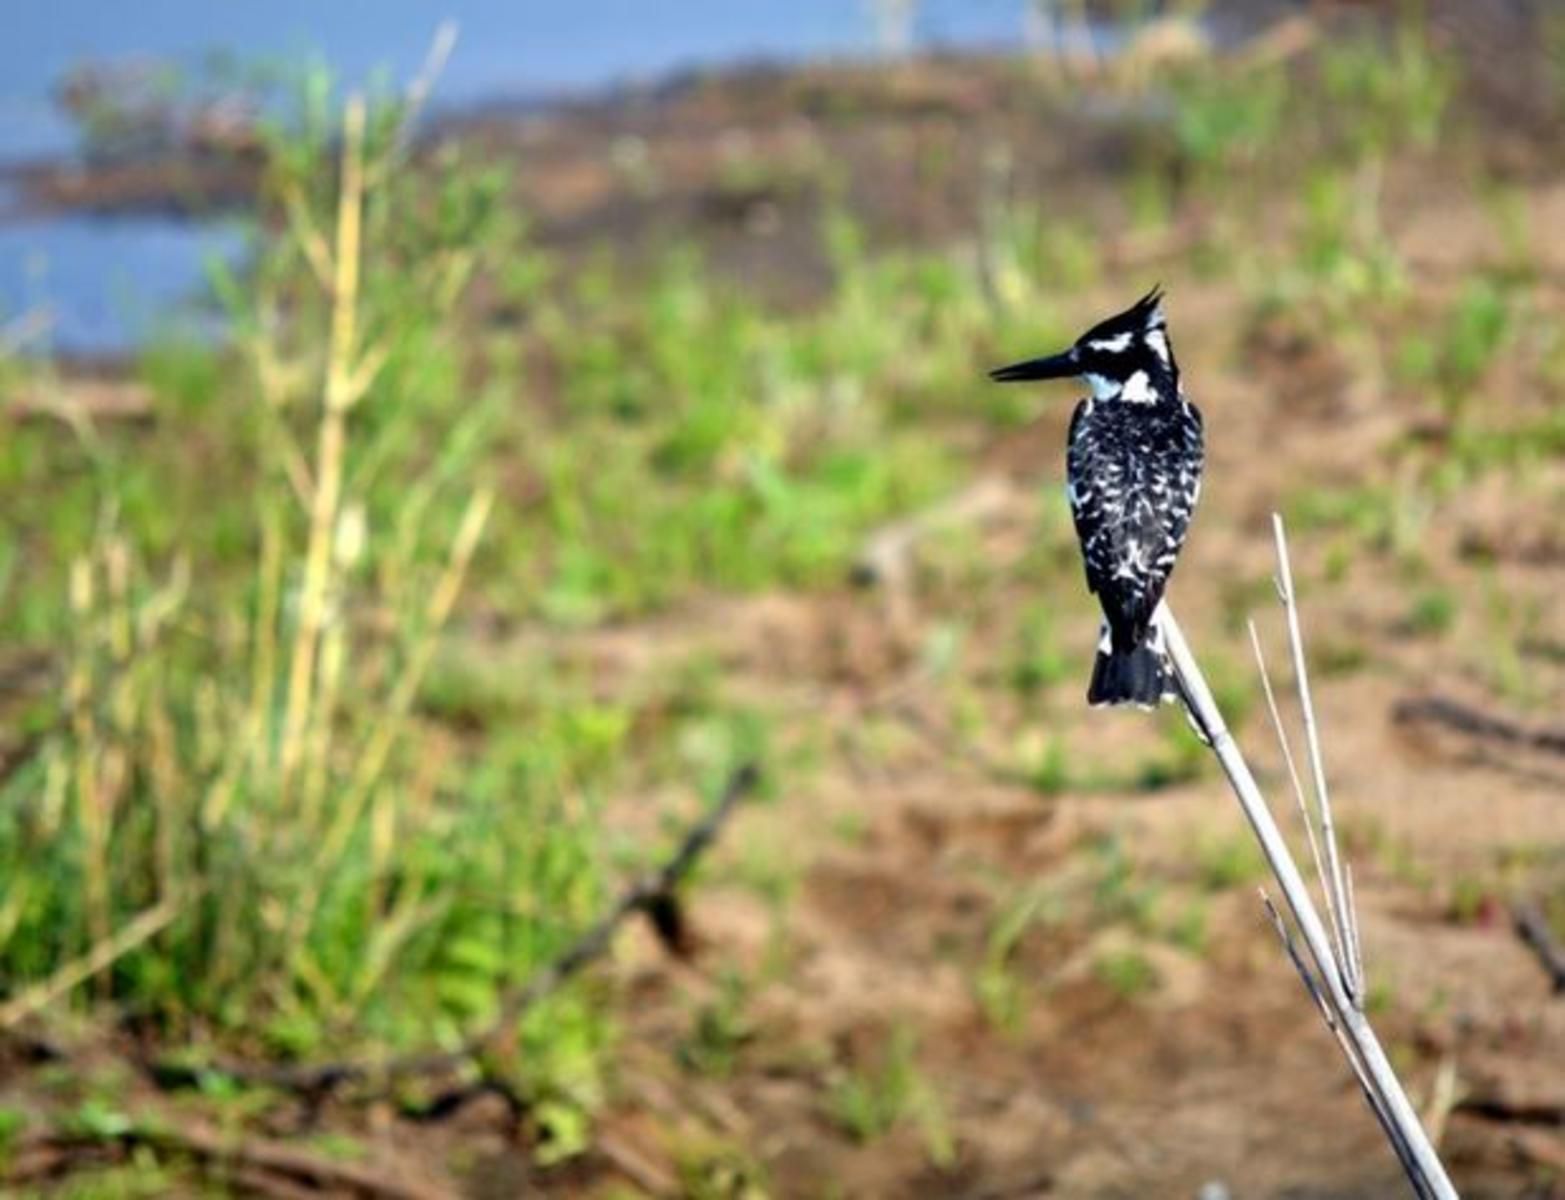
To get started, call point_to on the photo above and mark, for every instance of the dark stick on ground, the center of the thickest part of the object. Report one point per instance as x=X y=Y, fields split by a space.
x=651 y=894
x=268 y=1167
x=1474 y=722
x=1533 y=929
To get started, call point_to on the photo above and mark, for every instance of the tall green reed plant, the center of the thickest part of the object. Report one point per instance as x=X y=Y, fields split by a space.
x=242 y=824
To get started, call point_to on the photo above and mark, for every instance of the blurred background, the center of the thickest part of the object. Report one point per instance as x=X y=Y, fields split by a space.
x=446 y=451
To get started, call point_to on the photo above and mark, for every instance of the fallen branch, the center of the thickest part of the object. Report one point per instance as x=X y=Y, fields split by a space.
x=1506 y=1110
x=1328 y=962
x=276 y=1167
x=651 y=894
x=1533 y=929
x=1475 y=723
x=1513 y=1089
x=629 y=1161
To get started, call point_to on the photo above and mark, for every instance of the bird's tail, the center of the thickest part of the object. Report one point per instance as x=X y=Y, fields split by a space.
x=1138 y=675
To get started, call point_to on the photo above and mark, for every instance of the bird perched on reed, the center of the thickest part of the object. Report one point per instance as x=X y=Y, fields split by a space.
x=1132 y=477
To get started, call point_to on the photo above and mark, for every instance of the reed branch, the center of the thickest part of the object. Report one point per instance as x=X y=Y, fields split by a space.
x=343 y=385
x=1328 y=963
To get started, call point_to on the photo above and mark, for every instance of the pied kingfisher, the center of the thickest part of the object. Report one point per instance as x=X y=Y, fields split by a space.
x=1133 y=474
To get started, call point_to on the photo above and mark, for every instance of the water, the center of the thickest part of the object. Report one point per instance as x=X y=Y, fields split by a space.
x=104 y=283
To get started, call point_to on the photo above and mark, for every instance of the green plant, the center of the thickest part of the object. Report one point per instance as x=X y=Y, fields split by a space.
x=1120 y=893
x=1224 y=119
x=1455 y=354
x=868 y=1104
x=246 y=824
x=1469 y=898
x=1128 y=972
x=721 y=1029
x=1049 y=771
x=1433 y=611
x=1365 y=511
x=1001 y=991
x=715 y=1169
x=1180 y=757
x=12 y=1122
x=1382 y=94
x=1343 y=259
x=1187 y=928
x=1038 y=663
x=1223 y=862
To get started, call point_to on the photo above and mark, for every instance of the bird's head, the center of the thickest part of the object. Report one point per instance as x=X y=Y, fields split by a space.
x=1126 y=357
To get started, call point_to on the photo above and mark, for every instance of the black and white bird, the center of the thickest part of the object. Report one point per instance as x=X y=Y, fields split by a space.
x=1132 y=477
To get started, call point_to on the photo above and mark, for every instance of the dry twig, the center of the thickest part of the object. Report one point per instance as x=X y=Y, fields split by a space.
x=1467 y=719
x=1533 y=929
x=650 y=894
x=98 y=959
x=275 y=1167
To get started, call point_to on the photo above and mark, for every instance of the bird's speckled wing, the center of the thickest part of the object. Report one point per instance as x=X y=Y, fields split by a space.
x=1133 y=475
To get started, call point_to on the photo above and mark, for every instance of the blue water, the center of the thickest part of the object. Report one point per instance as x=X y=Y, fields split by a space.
x=105 y=283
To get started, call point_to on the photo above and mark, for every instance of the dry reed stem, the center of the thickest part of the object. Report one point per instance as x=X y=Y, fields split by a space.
x=341 y=390
x=1326 y=972
x=305 y=232
x=422 y=87
x=97 y=960
x=382 y=738
x=1334 y=882
x=1293 y=771
x=378 y=749
x=87 y=739
x=318 y=746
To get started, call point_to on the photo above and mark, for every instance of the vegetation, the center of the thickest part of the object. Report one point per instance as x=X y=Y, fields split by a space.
x=330 y=754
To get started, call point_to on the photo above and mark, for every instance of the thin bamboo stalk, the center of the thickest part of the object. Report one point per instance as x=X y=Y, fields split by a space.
x=342 y=389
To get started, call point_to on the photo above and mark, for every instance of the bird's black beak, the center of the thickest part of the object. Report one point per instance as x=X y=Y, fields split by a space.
x=1055 y=366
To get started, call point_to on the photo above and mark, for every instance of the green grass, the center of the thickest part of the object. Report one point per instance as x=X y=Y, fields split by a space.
x=1452 y=355
x=720 y=1029
x=1187 y=927
x=869 y=1102
x=1128 y=973
x=250 y=766
x=713 y=1168
x=1432 y=612
x=1121 y=893
x=1225 y=861
x=1001 y=988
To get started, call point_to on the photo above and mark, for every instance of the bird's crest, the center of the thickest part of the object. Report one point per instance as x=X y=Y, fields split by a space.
x=1143 y=317
x=1125 y=357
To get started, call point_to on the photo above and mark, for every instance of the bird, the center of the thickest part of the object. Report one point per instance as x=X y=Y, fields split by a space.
x=1133 y=468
